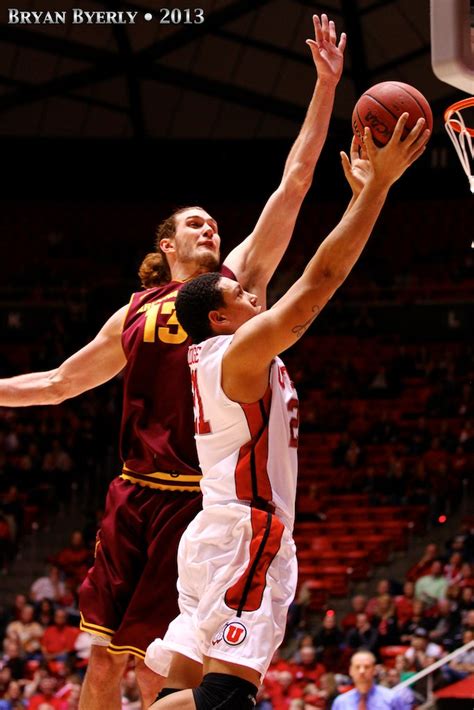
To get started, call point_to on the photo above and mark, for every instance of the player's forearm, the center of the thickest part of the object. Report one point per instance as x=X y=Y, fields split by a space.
x=31 y=389
x=306 y=150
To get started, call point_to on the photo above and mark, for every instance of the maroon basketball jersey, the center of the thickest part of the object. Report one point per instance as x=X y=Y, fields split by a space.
x=157 y=433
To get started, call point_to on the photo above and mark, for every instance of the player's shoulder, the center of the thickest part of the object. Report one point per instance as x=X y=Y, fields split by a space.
x=213 y=347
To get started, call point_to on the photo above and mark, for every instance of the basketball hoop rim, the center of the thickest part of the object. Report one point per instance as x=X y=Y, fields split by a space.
x=458 y=106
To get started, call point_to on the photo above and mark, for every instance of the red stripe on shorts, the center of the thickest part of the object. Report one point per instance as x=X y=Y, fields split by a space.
x=251 y=476
x=247 y=593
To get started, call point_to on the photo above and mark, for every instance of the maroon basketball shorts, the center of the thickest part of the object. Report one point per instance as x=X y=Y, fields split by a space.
x=129 y=596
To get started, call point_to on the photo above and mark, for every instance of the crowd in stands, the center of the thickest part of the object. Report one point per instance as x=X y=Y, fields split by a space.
x=44 y=654
x=407 y=624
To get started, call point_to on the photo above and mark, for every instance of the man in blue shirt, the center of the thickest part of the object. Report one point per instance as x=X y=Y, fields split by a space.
x=366 y=695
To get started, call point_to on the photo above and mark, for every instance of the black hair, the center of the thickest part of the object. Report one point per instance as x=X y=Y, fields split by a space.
x=195 y=299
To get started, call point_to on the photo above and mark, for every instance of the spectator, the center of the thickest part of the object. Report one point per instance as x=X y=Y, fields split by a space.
x=304 y=641
x=11 y=657
x=418 y=619
x=363 y=635
x=423 y=565
x=406 y=695
x=358 y=604
x=466 y=575
x=422 y=652
x=404 y=603
x=383 y=588
x=385 y=622
x=366 y=694
x=466 y=601
x=283 y=691
x=452 y=570
x=402 y=665
x=59 y=639
x=13 y=697
x=5 y=679
x=328 y=642
x=45 y=613
x=468 y=621
x=21 y=600
x=447 y=621
x=328 y=689
x=26 y=631
x=74 y=559
x=308 y=670
x=47 y=687
x=48 y=587
x=430 y=588
x=461 y=666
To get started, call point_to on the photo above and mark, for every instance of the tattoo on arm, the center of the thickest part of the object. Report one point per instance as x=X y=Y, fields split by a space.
x=298 y=330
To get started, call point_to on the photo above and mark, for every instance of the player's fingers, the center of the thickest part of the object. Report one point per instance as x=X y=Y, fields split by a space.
x=369 y=144
x=318 y=32
x=399 y=128
x=417 y=154
x=313 y=47
x=363 y=152
x=346 y=165
x=332 y=32
x=325 y=26
x=342 y=42
x=355 y=149
x=416 y=131
x=420 y=144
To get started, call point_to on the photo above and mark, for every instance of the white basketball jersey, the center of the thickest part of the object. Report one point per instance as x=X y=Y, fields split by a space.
x=247 y=452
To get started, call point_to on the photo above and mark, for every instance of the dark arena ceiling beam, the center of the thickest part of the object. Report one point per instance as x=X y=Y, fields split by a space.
x=375 y=6
x=356 y=46
x=270 y=48
x=319 y=7
x=114 y=65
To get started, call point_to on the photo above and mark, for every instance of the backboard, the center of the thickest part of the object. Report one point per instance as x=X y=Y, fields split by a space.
x=452 y=42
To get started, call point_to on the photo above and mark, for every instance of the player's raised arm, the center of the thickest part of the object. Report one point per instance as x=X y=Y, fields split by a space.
x=259 y=339
x=254 y=261
x=94 y=364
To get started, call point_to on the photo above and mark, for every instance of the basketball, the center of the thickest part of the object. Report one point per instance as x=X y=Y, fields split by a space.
x=380 y=107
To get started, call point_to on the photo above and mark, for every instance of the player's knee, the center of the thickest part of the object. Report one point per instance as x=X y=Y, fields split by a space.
x=147 y=679
x=106 y=666
x=225 y=691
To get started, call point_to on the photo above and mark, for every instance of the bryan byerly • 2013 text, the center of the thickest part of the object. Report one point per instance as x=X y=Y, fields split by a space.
x=76 y=16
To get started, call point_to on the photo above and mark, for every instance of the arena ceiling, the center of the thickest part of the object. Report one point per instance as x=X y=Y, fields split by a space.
x=245 y=72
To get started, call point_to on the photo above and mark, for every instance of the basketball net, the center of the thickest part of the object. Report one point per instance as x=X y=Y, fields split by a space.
x=461 y=136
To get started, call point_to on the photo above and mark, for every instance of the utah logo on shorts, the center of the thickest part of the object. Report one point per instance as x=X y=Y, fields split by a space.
x=234 y=633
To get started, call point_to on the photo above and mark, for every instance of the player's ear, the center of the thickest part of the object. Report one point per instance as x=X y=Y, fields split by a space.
x=167 y=245
x=218 y=321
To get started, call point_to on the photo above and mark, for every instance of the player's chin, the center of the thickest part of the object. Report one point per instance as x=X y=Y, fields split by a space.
x=209 y=259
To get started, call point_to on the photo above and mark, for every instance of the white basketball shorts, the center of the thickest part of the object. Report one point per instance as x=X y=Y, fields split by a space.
x=237 y=577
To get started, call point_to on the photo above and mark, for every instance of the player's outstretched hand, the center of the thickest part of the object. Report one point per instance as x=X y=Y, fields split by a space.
x=328 y=55
x=356 y=168
x=391 y=161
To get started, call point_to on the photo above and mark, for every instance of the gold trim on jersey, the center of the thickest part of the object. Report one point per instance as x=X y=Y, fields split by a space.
x=95 y=629
x=162 y=481
x=118 y=650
